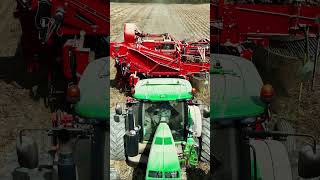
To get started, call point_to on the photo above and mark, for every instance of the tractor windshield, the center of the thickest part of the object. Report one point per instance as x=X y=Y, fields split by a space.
x=171 y=112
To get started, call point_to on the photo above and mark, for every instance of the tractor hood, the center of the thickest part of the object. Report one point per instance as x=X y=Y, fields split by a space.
x=163 y=89
x=163 y=159
x=236 y=88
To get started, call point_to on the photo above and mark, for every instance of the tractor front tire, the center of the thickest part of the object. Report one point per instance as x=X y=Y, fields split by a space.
x=117 y=132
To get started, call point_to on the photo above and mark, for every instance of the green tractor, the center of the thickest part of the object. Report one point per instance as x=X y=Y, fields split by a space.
x=162 y=127
x=244 y=145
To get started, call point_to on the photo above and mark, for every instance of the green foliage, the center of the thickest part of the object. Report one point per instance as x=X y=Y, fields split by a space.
x=164 y=1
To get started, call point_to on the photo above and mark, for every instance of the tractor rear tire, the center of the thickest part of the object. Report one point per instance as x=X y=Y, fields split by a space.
x=290 y=141
x=272 y=160
x=205 y=140
x=117 y=132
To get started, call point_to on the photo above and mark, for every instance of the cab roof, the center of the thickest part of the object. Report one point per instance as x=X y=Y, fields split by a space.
x=163 y=89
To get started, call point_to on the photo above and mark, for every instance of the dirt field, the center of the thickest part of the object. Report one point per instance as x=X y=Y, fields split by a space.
x=9 y=28
x=181 y=20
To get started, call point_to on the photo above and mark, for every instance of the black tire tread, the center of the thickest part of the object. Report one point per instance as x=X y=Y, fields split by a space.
x=205 y=140
x=117 y=132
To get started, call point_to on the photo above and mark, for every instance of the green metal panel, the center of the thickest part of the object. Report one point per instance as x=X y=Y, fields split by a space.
x=94 y=91
x=163 y=89
x=163 y=156
x=190 y=152
x=259 y=177
x=236 y=88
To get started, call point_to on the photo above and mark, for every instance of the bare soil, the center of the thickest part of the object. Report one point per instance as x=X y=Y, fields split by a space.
x=9 y=28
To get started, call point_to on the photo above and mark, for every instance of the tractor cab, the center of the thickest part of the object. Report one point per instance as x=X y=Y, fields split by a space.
x=163 y=100
x=162 y=123
x=169 y=112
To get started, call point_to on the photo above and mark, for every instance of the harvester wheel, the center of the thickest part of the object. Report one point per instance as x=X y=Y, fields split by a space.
x=205 y=140
x=117 y=132
x=290 y=141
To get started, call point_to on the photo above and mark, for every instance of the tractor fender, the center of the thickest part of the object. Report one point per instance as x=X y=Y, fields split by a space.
x=195 y=115
x=272 y=160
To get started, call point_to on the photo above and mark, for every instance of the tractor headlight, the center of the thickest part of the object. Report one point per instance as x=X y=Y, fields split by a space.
x=249 y=120
x=155 y=174
x=174 y=174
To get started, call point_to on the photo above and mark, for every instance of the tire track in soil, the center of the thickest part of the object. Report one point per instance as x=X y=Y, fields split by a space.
x=115 y=18
x=119 y=18
x=164 y=19
x=191 y=36
x=131 y=17
x=201 y=19
x=195 y=22
x=194 y=34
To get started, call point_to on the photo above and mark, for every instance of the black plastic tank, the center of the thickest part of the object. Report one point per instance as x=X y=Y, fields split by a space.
x=132 y=143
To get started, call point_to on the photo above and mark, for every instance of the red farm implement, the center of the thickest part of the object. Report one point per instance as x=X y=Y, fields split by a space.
x=59 y=38
x=235 y=25
x=144 y=55
x=281 y=37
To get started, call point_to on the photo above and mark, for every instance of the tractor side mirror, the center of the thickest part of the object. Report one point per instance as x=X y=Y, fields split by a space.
x=118 y=109
x=27 y=152
x=309 y=162
x=206 y=112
